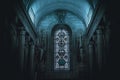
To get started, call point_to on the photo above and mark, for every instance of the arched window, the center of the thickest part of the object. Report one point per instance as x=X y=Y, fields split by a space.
x=61 y=50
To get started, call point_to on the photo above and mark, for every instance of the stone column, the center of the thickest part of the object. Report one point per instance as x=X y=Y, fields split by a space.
x=31 y=61
x=80 y=41
x=99 y=47
x=81 y=49
x=91 y=52
x=21 y=45
x=107 y=40
x=26 y=55
x=81 y=55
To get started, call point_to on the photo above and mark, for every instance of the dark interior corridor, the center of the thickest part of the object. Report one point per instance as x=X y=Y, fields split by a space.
x=59 y=40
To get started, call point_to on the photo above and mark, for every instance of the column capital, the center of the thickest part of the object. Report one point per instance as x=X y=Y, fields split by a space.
x=91 y=43
x=31 y=43
x=94 y=37
x=27 y=39
x=21 y=30
x=99 y=30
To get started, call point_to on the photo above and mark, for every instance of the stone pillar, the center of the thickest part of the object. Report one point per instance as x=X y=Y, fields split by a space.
x=107 y=40
x=45 y=37
x=31 y=61
x=81 y=49
x=99 y=47
x=80 y=41
x=21 y=45
x=91 y=52
x=26 y=55
x=81 y=55
x=107 y=34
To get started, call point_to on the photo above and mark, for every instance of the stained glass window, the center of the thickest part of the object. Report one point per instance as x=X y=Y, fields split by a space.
x=61 y=50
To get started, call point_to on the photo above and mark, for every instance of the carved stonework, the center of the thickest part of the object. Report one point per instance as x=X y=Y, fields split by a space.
x=61 y=16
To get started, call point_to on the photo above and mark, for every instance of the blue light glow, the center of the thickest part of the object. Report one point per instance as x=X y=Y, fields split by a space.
x=50 y=20
x=78 y=17
x=80 y=7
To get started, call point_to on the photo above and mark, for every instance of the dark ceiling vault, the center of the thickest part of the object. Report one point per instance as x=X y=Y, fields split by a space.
x=80 y=7
x=81 y=12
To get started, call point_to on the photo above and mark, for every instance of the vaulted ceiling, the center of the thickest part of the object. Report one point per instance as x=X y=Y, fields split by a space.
x=43 y=12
